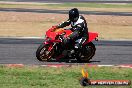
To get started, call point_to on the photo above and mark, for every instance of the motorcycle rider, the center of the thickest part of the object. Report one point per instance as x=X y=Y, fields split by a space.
x=79 y=29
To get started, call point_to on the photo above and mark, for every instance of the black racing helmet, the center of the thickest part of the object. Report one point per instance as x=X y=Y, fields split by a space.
x=74 y=14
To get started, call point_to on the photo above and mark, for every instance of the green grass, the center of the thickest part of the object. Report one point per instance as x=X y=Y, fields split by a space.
x=16 y=6
x=65 y=77
x=92 y=5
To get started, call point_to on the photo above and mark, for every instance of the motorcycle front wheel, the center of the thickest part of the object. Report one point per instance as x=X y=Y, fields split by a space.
x=43 y=54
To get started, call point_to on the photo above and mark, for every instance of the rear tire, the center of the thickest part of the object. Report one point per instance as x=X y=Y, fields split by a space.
x=43 y=54
x=88 y=51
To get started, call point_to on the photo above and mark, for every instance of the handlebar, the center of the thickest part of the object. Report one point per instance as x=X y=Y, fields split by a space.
x=63 y=34
x=60 y=36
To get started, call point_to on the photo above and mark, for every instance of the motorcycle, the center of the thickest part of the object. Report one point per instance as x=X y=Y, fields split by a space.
x=53 y=46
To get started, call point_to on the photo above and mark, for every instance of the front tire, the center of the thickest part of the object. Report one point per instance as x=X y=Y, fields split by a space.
x=43 y=54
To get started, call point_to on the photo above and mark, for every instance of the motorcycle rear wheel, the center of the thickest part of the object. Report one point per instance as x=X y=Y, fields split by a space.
x=43 y=54
x=88 y=52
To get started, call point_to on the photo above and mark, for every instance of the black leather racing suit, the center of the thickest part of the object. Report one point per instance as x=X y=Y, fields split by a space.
x=79 y=29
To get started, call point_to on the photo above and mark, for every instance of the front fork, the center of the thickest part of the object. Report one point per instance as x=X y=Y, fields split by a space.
x=51 y=46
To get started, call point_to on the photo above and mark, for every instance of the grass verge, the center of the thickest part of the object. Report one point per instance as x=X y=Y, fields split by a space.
x=65 y=77
x=91 y=5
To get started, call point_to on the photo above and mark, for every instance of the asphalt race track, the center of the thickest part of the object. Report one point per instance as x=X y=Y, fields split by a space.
x=65 y=11
x=22 y=51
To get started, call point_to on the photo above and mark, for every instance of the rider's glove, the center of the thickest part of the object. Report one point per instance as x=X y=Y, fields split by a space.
x=54 y=27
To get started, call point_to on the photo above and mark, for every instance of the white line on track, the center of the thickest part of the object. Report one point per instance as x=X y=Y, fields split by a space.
x=65 y=65
x=44 y=37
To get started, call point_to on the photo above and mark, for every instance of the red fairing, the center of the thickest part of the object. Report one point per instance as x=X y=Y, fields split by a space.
x=51 y=41
x=68 y=32
x=52 y=33
x=92 y=36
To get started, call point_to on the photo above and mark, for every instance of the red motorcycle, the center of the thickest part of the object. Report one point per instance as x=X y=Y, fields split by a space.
x=53 y=46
